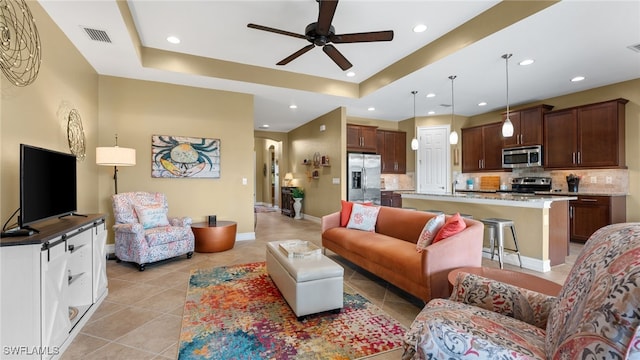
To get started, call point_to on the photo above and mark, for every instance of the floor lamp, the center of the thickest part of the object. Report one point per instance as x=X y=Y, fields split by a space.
x=115 y=156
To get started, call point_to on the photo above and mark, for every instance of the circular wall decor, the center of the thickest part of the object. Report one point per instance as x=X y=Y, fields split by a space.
x=19 y=43
x=75 y=134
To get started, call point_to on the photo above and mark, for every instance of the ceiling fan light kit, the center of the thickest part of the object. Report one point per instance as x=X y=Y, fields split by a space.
x=322 y=33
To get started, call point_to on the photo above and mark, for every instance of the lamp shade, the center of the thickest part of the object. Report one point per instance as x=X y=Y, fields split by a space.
x=115 y=156
x=453 y=138
x=288 y=176
x=507 y=128
x=414 y=144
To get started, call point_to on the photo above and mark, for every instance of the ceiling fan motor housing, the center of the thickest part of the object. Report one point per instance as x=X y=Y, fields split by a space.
x=313 y=37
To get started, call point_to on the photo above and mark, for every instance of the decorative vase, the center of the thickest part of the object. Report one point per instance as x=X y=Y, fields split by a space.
x=297 y=206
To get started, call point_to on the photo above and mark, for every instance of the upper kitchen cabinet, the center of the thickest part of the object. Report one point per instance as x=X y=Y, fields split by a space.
x=527 y=126
x=392 y=146
x=361 y=138
x=482 y=148
x=588 y=136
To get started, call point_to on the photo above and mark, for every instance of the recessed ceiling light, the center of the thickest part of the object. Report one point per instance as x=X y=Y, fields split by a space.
x=293 y=106
x=173 y=39
x=351 y=74
x=526 y=62
x=419 y=28
x=265 y=126
x=371 y=108
x=430 y=95
x=431 y=112
x=483 y=103
x=577 y=78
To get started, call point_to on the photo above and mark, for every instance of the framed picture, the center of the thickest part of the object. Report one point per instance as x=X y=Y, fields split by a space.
x=184 y=157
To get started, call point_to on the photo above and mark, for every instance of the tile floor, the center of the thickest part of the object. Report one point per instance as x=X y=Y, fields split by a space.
x=141 y=317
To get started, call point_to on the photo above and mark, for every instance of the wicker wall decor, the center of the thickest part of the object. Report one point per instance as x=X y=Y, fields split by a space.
x=19 y=43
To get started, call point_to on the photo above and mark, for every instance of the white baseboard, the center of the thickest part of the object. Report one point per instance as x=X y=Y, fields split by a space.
x=527 y=262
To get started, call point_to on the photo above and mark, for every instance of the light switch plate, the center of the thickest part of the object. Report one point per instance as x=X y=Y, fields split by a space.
x=335 y=181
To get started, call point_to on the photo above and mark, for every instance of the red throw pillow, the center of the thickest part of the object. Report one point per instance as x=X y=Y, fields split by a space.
x=452 y=226
x=345 y=213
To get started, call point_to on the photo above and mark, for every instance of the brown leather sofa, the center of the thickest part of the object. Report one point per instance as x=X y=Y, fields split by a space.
x=390 y=251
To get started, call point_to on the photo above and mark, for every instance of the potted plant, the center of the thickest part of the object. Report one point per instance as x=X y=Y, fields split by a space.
x=297 y=194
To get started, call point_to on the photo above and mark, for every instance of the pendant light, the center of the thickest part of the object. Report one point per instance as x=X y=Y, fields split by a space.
x=507 y=126
x=453 y=136
x=414 y=141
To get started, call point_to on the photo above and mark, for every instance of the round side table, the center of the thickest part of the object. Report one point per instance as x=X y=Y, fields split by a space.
x=216 y=238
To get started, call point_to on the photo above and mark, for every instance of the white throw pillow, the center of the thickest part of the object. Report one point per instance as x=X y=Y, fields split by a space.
x=152 y=216
x=429 y=232
x=363 y=217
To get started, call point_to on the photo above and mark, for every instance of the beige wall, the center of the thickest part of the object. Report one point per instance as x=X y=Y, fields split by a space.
x=136 y=110
x=37 y=115
x=321 y=195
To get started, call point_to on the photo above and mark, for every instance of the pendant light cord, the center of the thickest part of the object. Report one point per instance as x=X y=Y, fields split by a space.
x=506 y=58
x=452 y=77
x=414 y=92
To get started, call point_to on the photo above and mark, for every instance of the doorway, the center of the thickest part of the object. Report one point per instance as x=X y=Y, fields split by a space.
x=433 y=160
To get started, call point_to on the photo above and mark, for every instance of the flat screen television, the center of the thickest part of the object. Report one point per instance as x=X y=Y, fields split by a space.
x=47 y=184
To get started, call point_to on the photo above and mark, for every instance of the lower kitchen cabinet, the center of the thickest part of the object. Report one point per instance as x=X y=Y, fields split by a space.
x=390 y=198
x=590 y=213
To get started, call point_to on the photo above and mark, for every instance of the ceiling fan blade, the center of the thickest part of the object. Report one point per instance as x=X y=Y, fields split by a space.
x=293 y=56
x=337 y=57
x=277 y=31
x=325 y=16
x=362 y=37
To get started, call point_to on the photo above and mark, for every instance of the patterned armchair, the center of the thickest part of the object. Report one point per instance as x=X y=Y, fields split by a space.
x=143 y=232
x=595 y=316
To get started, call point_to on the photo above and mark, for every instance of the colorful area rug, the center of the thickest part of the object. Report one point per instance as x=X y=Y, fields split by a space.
x=237 y=312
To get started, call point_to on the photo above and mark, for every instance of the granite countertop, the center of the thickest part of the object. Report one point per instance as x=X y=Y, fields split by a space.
x=553 y=192
x=494 y=198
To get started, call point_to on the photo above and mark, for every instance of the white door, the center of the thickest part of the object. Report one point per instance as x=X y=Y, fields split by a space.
x=433 y=167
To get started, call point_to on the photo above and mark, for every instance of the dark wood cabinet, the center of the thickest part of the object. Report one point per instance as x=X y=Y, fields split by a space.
x=390 y=198
x=286 y=201
x=482 y=148
x=527 y=126
x=589 y=136
x=590 y=213
x=361 y=138
x=392 y=147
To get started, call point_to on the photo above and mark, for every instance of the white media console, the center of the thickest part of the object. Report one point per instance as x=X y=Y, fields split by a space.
x=50 y=285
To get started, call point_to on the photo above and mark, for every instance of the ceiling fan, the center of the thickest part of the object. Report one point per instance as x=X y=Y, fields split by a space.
x=322 y=33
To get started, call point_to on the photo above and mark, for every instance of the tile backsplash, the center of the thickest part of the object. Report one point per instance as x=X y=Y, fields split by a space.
x=397 y=181
x=604 y=181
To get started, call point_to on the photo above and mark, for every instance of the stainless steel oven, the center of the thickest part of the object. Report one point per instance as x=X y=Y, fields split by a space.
x=522 y=157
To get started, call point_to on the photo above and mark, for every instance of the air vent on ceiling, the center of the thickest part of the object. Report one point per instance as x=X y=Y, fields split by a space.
x=635 y=47
x=97 y=35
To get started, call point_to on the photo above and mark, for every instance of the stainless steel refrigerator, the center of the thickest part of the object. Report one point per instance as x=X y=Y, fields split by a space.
x=363 y=172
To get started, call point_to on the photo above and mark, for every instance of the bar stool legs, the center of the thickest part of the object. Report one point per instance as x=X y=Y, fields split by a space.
x=495 y=228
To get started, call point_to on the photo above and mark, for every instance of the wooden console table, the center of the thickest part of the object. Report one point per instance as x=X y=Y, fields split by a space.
x=515 y=278
x=220 y=237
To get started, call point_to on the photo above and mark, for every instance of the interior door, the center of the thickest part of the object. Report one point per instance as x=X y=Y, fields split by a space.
x=433 y=158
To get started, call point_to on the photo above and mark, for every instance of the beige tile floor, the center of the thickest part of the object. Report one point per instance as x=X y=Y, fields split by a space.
x=141 y=316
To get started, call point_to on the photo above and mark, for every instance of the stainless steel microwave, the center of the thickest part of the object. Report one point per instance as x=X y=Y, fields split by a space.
x=522 y=157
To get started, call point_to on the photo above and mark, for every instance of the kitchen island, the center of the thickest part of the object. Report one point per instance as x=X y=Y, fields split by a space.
x=541 y=221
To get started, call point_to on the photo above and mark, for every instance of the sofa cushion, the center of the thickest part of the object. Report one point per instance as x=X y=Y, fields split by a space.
x=363 y=217
x=402 y=223
x=429 y=232
x=452 y=226
x=151 y=216
x=345 y=213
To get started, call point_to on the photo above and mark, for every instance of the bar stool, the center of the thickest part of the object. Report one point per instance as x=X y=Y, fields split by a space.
x=468 y=216
x=437 y=212
x=496 y=226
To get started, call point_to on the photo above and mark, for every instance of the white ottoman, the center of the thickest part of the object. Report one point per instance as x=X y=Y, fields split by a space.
x=310 y=284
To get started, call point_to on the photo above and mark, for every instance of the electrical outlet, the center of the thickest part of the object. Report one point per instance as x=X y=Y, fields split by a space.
x=593 y=180
x=609 y=180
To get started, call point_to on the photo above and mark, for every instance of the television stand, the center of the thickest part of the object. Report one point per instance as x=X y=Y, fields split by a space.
x=72 y=214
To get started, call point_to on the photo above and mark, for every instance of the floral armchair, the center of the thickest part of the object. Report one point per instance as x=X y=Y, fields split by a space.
x=143 y=232
x=595 y=316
